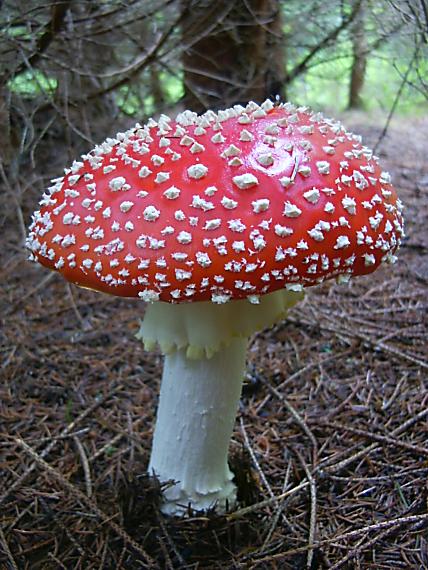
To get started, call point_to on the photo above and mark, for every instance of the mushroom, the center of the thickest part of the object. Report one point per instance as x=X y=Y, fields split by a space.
x=219 y=222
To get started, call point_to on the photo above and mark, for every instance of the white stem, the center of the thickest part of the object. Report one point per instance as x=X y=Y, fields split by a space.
x=195 y=418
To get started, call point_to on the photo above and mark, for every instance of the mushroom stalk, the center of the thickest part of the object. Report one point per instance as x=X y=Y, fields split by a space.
x=195 y=418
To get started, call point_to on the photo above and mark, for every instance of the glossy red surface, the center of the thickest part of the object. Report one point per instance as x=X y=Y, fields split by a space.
x=264 y=251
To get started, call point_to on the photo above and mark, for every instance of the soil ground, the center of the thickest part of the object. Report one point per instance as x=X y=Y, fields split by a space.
x=330 y=446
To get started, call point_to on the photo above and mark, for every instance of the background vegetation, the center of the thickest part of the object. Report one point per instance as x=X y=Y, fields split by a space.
x=76 y=63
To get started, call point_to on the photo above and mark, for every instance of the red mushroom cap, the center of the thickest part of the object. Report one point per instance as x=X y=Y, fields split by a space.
x=220 y=206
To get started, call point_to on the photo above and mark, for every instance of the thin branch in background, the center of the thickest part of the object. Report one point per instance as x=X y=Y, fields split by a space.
x=300 y=67
x=424 y=6
x=397 y=99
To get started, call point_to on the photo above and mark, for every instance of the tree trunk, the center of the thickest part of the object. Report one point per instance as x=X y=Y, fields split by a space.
x=359 y=64
x=233 y=52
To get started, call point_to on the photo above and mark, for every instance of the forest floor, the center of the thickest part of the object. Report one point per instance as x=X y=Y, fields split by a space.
x=329 y=449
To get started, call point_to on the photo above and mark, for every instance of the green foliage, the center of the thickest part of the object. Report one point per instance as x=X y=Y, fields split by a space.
x=32 y=83
x=173 y=86
x=136 y=100
x=18 y=32
x=128 y=100
x=325 y=85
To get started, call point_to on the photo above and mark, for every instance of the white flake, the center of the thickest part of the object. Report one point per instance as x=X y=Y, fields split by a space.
x=157 y=160
x=328 y=191
x=172 y=193
x=162 y=177
x=231 y=150
x=259 y=113
x=291 y=210
x=73 y=179
x=196 y=148
x=304 y=170
x=296 y=287
x=328 y=149
x=375 y=220
x=186 y=141
x=385 y=178
x=182 y=275
x=197 y=171
x=316 y=234
x=236 y=225
x=117 y=183
x=203 y=259
x=151 y=213
x=312 y=195
x=168 y=230
x=179 y=215
x=342 y=242
x=212 y=224
x=184 y=237
x=388 y=227
x=245 y=136
x=270 y=140
x=238 y=246
x=149 y=295
x=68 y=218
x=244 y=181
x=259 y=242
x=144 y=172
x=265 y=159
x=126 y=206
x=283 y=231
x=272 y=130
x=260 y=205
x=228 y=203
x=217 y=138
x=200 y=203
x=349 y=204
x=267 y=105
x=286 y=181
x=210 y=191
x=244 y=119
x=323 y=166
x=359 y=180
x=220 y=298
x=369 y=259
